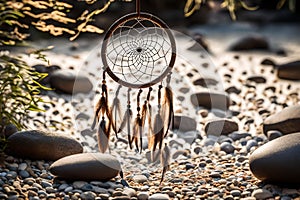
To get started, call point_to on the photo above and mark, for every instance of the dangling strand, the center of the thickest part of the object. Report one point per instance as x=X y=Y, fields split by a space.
x=127 y=119
x=103 y=136
x=116 y=108
x=138 y=126
x=101 y=104
x=102 y=109
x=168 y=108
x=158 y=130
x=165 y=161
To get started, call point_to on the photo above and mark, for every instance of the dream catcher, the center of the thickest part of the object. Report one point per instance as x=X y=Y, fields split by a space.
x=138 y=53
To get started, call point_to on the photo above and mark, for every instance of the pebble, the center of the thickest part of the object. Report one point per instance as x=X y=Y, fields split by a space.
x=235 y=193
x=140 y=178
x=24 y=174
x=250 y=144
x=88 y=195
x=268 y=61
x=129 y=192
x=261 y=194
x=143 y=196
x=273 y=134
x=35 y=144
x=205 y=82
x=22 y=166
x=159 y=196
x=257 y=79
x=227 y=147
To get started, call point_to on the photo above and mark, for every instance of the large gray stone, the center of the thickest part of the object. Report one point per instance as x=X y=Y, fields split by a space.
x=69 y=82
x=290 y=71
x=286 y=121
x=211 y=100
x=42 y=145
x=221 y=127
x=278 y=161
x=86 y=166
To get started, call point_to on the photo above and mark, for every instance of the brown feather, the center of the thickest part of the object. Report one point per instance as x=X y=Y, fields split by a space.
x=103 y=136
x=168 y=110
x=158 y=131
x=136 y=132
x=129 y=117
x=100 y=104
x=165 y=160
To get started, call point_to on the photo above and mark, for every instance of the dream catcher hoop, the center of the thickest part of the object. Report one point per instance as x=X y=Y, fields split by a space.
x=138 y=52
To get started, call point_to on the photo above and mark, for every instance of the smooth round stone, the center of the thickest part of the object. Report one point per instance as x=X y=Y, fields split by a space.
x=220 y=127
x=273 y=134
x=262 y=194
x=237 y=136
x=140 y=178
x=286 y=121
x=233 y=89
x=42 y=145
x=159 y=196
x=268 y=61
x=22 y=166
x=227 y=147
x=86 y=166
x=129 y=192
x=211 y=100
x=235 y=193
x=88 y=195
x=24 y=174
x=289 y=71
x=278 y=161
x=255 y=42
x=257 y=79
x=143 y=196
x=205 y=82
x=69 y=82
x=184 y=123
x=250 y=144
x=9 y=130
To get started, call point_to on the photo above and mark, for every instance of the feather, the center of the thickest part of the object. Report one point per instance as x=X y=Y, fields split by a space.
x=165 y=161
x=158 y=131
x=136 y=132
x=99 y=106
x=116 y=110
x=168 y=109
x=103 y=136
x=129 y=117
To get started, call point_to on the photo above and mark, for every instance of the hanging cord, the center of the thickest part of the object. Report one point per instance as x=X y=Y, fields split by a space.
x=138 y=126
x=116 y=109
x=127 y=119
x=138 y=7
x=168 y=107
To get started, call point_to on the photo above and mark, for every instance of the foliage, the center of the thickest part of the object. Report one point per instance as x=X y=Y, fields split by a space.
x=19 y=90
x=232 y=5
x=291 y=4
x=55 y=17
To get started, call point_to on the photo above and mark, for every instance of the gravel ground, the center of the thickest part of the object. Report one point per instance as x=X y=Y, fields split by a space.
x=201 y=167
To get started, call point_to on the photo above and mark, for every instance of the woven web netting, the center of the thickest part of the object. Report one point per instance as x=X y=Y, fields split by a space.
x=138 y=51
